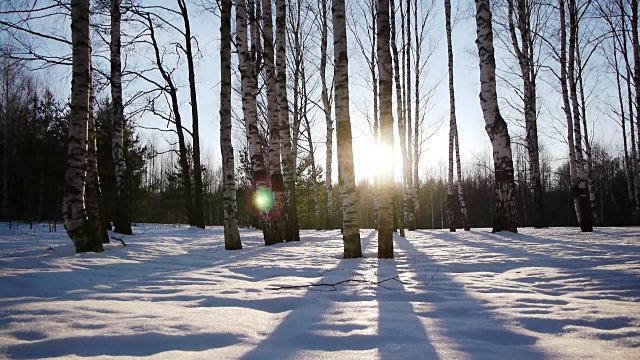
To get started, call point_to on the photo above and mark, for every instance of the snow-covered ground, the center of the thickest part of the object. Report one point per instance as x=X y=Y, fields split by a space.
x=175 y=293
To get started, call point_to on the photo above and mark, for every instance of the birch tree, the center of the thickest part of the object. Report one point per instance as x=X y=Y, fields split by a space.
x=505 y=208
x=73 y=207
x=346 y=175
x=260 y=183
x=326 y=108
x=231 y=234
x=273 y=116
x=385 y=207
x=122 y=221
x=288 y=159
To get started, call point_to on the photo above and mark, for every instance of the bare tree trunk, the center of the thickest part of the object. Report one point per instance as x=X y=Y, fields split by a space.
x=451 y=215
x=636 y=81
x=416 y=129
x=312 y=158
x=231 y=234
x=289 y=161
x=505 y=208
x=177 y=119
x=326 y=106
x=411 y=219
x=347 y=181
x=275 y=166
x=249 y=85
x=92 y=195
x=581 y=186
x=385 y=209
x=524 y=51
x=454 y=129
x=587 y=145
x=122 y=222
x=198 y=218
x=73 y=208
x=627 y=162
x=399 y=111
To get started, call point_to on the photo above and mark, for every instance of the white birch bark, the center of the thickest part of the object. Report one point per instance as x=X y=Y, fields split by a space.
x=288 y=160
x=505 y=208
x=399 y=112
x=346 y=175
x=250 y=112
x=385 y=207
x=326 y=107
x=273 y=115
x=411 y=220
x=524 y=51
x=73 y=207
x=581 y=187
x=451 y=216
x=231 y=235
x=93 y=195
x=122 y=222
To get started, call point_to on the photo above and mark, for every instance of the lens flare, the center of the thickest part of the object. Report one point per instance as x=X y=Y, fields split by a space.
x=263 y=199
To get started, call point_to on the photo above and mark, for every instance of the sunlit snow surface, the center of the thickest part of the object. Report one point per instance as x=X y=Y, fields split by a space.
x=175 y=293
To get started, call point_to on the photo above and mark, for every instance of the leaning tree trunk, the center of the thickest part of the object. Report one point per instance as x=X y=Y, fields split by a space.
x=260 y=184
x=451 y=215
x=73 y=208
x=505 y=217
x=198 y=216
x=273 y=116
x=122 y=222
x=385 y=206
x=93 y=195
x=627 y=161
x=346 y=175
x=326 y=106
x=289 y=161
x=231 y=234
x=312 y=158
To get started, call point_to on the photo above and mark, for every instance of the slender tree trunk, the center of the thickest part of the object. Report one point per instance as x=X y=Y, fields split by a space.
x=73 y=208
x=177 y=118
x=385 y=209
x=260 y=185
x=581 y=186
x=524 y=51
x=627 y=162
x=92 y=195
x=231 y=234
x=454 y=130
x=312 y=158
x=636 y=81
x=275 y=166
x=198 y=217
x=122 y=222
x=411 y=216
x=505 y=208
x=326 y=107
x=346 y=175
x=399 y=111
x=416 y=129
x=289 y=161
x=587 y=145
x=451 y=215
